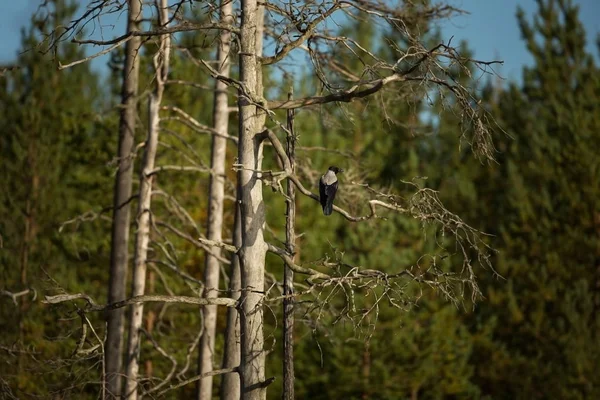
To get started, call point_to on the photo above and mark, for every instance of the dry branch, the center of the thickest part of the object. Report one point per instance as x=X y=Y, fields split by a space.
x=94 y=307
x=198 y=377
x=14 y=296
x=185 y=27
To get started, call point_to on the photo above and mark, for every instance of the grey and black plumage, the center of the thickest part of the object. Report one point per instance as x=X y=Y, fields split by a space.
x=328 y=185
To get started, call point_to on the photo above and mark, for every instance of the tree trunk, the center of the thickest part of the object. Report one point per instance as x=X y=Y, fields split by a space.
x=143 y=216
x=230 y=383
x=122 y=193
x=215 y=209
x=150 y=320
x=288 y=274
x=253 y=250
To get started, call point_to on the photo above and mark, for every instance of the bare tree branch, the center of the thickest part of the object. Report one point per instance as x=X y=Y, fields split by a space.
x=194 y=124
x=198 y=377
x=185 y=27
x=94 y=307
x=15 y=296
x=307 y=31
x=355 y=92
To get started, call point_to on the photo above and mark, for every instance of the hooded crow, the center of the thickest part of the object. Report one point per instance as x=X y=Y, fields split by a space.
x=328 y=185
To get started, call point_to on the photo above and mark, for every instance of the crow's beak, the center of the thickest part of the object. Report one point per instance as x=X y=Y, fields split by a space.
x=341 y=170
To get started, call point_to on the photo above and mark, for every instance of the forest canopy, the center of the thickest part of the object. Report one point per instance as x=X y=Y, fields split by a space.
x=160 y=228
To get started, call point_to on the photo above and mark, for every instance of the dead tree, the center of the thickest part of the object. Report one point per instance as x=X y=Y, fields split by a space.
x=423 y=67
x=253 y=251
x=230 y=382
x=144 y=214
x=215 y=205
x=122 y=194
x=288 y=273
x=302 y=27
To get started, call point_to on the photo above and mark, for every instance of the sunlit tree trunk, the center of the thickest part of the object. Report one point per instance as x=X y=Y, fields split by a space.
x=253 y=250
x=161 y=64
x=215 y=208
x=230 y=383
x=121 y=214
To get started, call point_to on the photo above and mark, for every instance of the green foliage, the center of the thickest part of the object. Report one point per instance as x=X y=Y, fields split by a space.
x=54 y=153
x=535 y=334
x=541 y=202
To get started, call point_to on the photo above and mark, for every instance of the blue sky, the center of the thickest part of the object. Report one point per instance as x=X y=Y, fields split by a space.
x=490 y=29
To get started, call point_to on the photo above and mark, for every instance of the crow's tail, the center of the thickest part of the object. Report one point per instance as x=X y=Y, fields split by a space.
x=328 y=209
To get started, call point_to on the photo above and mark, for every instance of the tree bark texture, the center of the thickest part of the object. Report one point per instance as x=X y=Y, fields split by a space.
x=161 y=64
x=288 y=274
x=230 y=383
x=253 y=250
x=150 y=321
x=215 y=209
x=121 y=214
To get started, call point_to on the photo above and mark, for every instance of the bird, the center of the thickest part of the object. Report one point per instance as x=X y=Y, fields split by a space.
x=328 y=185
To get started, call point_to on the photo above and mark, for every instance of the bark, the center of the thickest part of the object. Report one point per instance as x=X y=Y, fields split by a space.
x=253 y=250
x=121 y=213
x=230 y=383
x=150 y=320
x=144 y=212
x=288 y=274
x=215 y=210
x=92 y=306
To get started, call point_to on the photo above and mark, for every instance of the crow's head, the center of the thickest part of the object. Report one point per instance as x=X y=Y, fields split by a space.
x=335 y=170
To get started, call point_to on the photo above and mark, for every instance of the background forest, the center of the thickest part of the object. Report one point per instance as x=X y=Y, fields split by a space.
x=533 y=334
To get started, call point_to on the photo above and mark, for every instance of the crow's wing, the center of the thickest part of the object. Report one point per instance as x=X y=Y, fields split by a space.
x=330 y=191
x=322 y=194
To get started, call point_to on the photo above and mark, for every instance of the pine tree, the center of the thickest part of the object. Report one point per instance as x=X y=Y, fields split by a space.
x=535 y=336
x=54 y=152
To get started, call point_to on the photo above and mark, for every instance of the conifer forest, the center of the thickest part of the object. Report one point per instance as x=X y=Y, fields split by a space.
x=161 y=228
